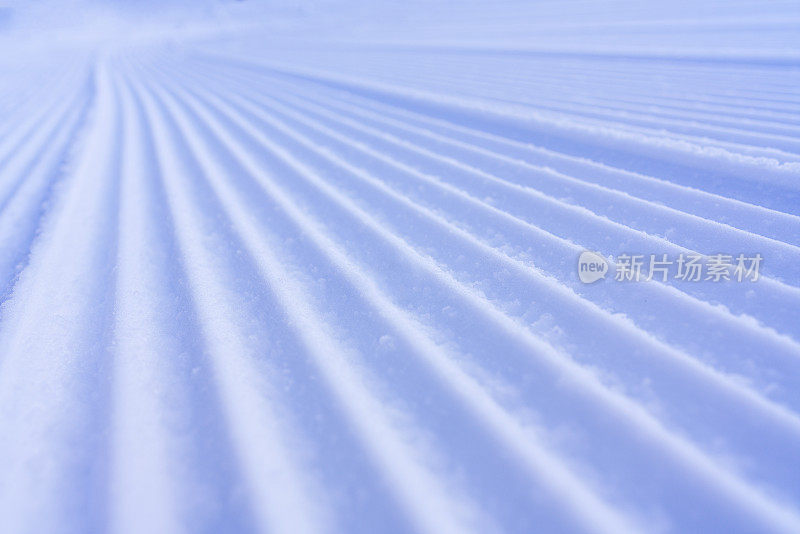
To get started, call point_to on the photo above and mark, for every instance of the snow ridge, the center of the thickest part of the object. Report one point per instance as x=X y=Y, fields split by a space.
x=257 y=285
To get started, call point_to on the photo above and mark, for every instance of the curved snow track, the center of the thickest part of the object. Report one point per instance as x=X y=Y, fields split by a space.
x=307 y=294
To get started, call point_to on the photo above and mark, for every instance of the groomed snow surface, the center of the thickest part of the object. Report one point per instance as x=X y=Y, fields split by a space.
x=312 y=267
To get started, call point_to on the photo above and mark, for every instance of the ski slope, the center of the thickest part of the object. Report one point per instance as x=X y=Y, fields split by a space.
x=312 y=267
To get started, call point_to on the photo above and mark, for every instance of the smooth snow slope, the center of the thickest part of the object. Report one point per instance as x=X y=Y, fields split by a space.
x=312 y=266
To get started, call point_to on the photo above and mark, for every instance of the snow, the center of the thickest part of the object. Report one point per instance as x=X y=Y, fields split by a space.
x=312 y=266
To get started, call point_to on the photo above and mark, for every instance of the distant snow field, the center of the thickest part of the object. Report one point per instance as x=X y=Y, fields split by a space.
x=381 y=266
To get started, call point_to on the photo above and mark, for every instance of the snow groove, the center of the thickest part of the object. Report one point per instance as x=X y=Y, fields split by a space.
x=253 y=286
